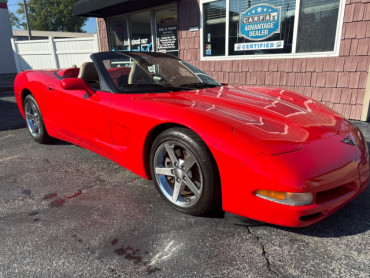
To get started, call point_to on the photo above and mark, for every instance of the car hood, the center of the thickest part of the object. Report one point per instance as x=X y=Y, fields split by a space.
x=277 y=121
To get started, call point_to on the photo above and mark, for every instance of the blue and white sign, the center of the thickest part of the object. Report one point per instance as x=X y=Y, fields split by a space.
x=260 y=22
x=258 y=46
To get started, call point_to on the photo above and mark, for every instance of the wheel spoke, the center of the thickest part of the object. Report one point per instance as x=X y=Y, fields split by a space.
x=164 y=171
x=31 y=116
x=34 y=128
x=33 y=108
x=192 y=186
x=189 y=163
x=171 y=153
x=176 y=191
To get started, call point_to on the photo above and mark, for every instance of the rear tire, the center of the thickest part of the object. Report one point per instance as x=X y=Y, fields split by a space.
x=34 y=121
x=184 y=171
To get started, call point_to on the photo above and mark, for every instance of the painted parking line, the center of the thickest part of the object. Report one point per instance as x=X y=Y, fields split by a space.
x=9 y=158
x=7 y=136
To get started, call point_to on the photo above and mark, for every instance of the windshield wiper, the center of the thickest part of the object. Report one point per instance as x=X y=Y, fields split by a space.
x=199 y=85
x=155 y=87
x=174 y=89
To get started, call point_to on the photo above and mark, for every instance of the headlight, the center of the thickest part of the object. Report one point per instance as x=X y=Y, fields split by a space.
x=286 y=198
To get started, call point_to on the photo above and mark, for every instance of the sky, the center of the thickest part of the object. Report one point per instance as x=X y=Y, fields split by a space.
x=89 y=27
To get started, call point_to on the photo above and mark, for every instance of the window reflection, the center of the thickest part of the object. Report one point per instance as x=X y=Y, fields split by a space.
x=118 y=34
x=141 y=34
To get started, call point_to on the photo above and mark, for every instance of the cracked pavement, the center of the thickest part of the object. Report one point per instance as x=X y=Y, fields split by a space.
x=67 y=212
x=268 y=263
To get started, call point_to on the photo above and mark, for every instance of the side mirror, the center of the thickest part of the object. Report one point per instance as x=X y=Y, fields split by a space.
x=76 y=84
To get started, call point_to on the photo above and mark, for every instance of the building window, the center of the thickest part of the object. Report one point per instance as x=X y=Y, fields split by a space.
x=317 y=25
x=151 y=30
x=118 y=34
x=264 y=29
x=214 y=28
x=141 y=32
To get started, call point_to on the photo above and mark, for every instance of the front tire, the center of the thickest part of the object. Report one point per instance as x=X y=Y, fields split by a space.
x=34 y=120
x=184 y=171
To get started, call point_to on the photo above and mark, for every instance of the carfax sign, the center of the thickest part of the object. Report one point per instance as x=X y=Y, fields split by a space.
x=260 y=22
x=258 y=46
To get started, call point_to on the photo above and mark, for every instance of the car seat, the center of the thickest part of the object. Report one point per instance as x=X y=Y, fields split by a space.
x=89 y=73
x=139 y=75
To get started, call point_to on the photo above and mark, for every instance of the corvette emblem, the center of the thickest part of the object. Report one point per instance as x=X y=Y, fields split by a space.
x=348 y=141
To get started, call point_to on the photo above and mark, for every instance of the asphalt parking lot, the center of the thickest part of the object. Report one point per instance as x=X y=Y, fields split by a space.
x=67 y=212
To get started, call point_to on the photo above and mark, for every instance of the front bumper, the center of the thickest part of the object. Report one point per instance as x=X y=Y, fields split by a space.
x=334 y=172
x=302 y=216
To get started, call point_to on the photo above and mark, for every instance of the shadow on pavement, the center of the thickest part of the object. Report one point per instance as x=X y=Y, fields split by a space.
x=10 y=118
x=57 y=142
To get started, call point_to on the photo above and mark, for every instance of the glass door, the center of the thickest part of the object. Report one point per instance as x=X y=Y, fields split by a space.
x=166 y=28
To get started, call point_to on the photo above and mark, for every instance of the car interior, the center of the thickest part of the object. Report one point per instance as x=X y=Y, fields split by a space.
x=89 y=73
x=127 y=73
x=139 y=75
x=121 y=76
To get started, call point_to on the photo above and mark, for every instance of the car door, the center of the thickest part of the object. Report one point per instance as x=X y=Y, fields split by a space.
x=80 y=117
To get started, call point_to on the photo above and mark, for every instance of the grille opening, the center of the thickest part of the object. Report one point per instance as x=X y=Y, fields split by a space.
x=334 y=193
x=310 y=216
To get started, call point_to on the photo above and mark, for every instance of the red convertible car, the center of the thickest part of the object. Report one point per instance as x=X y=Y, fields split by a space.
x=267 y=154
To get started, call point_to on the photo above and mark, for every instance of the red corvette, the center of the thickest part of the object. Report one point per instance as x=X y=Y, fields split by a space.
x=267 y=154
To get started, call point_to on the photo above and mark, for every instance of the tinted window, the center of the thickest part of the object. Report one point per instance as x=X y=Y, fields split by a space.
x=317 y=25
x=214 y=28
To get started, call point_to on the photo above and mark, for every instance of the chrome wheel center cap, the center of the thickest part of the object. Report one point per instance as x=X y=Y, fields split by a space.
x=179 y=173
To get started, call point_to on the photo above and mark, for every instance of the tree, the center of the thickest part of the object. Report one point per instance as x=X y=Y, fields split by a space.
x=15 y=21
x=53 y=15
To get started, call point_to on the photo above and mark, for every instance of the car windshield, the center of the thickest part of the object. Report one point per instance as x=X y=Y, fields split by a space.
x=132 y=72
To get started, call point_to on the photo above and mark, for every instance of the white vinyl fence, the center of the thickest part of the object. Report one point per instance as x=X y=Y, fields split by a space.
x=53 y=53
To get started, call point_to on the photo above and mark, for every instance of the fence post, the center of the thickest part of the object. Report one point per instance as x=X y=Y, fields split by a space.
x=16 y=56
x=53 y=53
x=96 y=42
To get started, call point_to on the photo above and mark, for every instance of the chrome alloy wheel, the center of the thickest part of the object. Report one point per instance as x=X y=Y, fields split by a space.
x=32 y=119
x=178 y=174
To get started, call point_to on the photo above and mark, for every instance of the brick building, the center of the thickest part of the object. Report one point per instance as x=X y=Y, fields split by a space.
x=320 y=48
